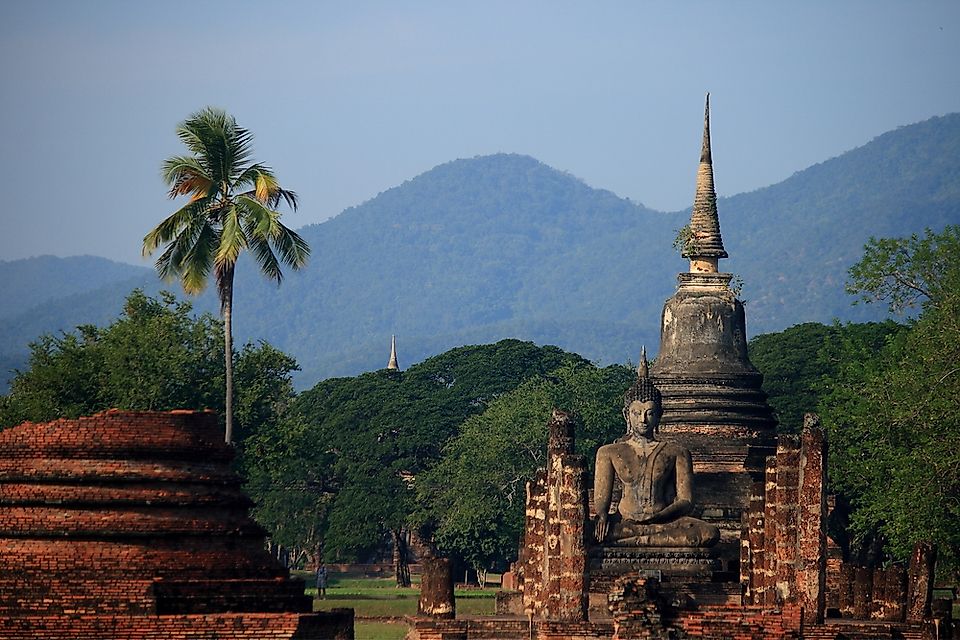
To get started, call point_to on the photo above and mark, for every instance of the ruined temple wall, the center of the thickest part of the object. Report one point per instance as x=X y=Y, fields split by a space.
x=728 y=459
x=554 y=576
x=783 y=538
x=534 y=545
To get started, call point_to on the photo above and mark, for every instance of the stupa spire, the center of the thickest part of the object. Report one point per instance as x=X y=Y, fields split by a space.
x=393 y=365
x=704 y=247
x=643 y=369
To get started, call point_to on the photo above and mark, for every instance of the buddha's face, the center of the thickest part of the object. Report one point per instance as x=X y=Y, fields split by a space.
x=642 y=417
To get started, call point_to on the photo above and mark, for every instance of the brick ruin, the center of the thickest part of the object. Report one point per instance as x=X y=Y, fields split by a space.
x=132 y=525
x=786 y=587
x=774 y=573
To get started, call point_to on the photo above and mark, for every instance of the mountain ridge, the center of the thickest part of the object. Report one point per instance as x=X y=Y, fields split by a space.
x=479 y=249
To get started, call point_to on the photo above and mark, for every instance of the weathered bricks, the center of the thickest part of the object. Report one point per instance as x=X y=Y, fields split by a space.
x=811 y=561
x=554 y=582
x=436 y=589
x=920 y=581
x=132 y=525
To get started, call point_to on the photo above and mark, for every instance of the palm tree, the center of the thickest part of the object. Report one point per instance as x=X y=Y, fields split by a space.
x=232 y=207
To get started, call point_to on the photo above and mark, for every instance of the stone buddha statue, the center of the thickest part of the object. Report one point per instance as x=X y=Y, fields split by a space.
x=657 y=481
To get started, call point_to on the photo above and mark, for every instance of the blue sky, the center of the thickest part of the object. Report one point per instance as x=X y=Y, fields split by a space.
x=348 y=99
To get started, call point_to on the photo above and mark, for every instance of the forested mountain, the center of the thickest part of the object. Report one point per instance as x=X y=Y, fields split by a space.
x=476 y=250
x=24 y=284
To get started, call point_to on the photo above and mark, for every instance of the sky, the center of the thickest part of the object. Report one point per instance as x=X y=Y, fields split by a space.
x=348 y=99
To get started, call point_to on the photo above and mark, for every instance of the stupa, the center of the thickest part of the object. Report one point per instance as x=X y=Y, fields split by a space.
x=713 y=403
x=133 y=525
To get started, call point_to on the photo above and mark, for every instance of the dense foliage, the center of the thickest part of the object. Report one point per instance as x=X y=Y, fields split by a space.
x=799 y=363
x=158 y=356
x=893 y=410
x=473 y=500
x=340 y=469
x=484 y=248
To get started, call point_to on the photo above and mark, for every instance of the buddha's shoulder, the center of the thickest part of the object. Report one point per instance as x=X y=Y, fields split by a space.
x=674 y=449
x=613 y=448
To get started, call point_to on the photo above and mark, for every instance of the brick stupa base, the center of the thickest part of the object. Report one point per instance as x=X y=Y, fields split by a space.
x=132 y=525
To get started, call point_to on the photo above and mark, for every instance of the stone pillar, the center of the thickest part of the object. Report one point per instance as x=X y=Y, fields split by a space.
x=845 y=590
x=920 y=581
x=766 y=592
x=535 y=544
x=788 y=477
x=752 y=556
x=811 y=564
x=436 y=589
x=564 y=575
x=862 y=583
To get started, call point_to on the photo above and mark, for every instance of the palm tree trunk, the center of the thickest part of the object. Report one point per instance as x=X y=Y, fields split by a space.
x=226 y=308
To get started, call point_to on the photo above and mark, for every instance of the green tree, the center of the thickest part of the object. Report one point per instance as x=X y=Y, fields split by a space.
x=156 y=356
x=232 y=208
x=473 y=500
x=796 y=363
x=353 y=448
x=893 y=413
x=908 y=272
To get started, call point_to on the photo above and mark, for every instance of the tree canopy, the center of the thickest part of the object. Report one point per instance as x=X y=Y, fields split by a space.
x=473 y=499
x=156 y=356
x=798 y=363
x=893 y=410
x=352 y=448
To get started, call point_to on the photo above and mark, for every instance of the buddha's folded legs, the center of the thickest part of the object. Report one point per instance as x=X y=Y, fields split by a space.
x=682 y=532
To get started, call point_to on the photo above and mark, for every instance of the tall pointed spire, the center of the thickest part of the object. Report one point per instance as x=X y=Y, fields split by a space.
x=705 y=246
x=393 y=365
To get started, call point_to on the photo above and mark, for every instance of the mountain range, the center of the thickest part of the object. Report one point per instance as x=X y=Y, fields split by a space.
x=480 y=249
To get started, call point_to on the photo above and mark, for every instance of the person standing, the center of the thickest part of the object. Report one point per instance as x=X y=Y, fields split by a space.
x=322 y=581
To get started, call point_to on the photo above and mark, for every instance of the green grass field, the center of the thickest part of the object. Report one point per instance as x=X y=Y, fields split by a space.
x=379 y=605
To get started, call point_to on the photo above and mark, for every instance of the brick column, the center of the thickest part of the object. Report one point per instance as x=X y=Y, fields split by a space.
x=766 y=591
x=436 y=589
x=788 y=477
x=811 y=562
x=534 y=544
x=752 y=553
x=572 y=603
x=845 y=590
x=564 y=573
x=895 y=593
x=878 y=592
x=862 y=583
x=920 y=581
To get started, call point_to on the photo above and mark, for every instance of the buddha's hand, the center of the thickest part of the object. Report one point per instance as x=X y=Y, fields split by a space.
x=600 y=532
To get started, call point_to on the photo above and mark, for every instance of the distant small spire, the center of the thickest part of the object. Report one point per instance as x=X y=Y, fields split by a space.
x=705 y=246
x=393 y=365
x=643 y=369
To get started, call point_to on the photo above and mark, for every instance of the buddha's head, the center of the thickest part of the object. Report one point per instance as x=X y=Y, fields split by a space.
x=642 y=405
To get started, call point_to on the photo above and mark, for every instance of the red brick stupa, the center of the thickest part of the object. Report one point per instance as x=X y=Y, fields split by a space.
x=132 y=525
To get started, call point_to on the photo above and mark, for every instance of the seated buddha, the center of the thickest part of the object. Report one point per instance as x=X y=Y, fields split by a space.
x=657 y=481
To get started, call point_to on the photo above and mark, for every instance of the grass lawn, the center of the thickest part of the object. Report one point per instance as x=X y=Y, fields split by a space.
x=368 y=630
x=380 y=598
